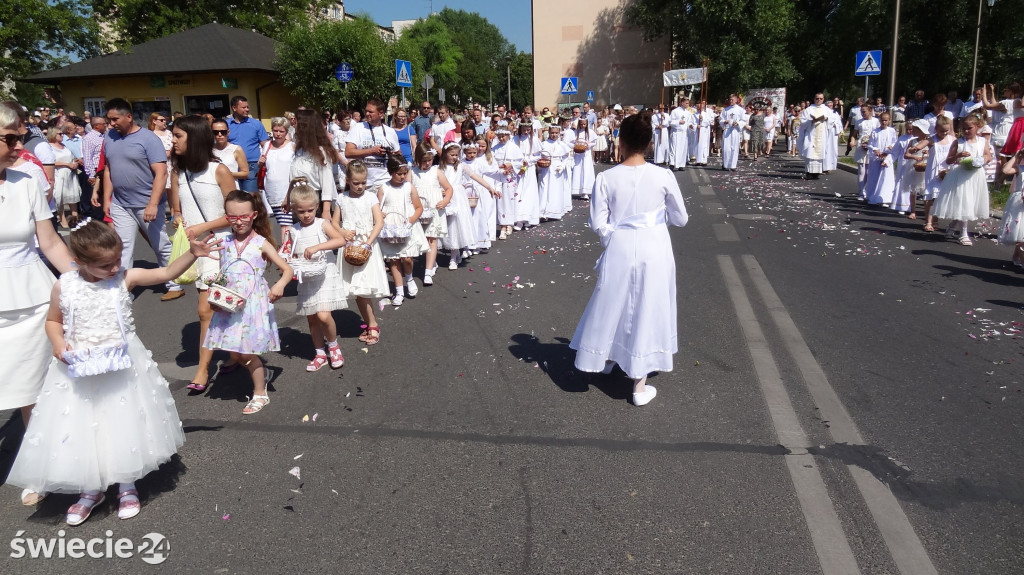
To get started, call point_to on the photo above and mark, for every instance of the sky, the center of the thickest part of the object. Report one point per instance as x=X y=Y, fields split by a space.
x=512 y=17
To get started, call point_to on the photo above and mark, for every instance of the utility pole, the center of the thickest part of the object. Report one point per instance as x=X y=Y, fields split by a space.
x=508 y=70
x=895 y=43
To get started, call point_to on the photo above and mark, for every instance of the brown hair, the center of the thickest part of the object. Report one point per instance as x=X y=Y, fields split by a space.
x=92 y=240
x=261 y=225
x=354 y=168
x=311 y=137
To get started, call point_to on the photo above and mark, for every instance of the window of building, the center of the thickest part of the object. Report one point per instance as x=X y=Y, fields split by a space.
x=217 y=104
x=95 y=106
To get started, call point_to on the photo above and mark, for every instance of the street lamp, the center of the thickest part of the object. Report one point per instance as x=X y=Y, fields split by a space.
x=508 y=70
x=977 y=40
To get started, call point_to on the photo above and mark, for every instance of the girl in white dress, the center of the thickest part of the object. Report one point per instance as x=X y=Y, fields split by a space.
x=861 y=155
x=66 y=190
x=510 y=160
x=401 y=207
x=583 y=169
x=963 y=193
x=1012 y=231
x=486 y=165
x=461 y=232
x=909 y=180
x=555 y=178
x=881 y=186
x=110 y=419
x=528 y=202
x=309 y=250
x=938 y=151
x=359 y=213
x=435 y=194
x=631 y=317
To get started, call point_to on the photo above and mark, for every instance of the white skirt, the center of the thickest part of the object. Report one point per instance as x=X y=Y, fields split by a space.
x=963 y=195
x=369 y=280
x=324 y=292
x=89 y=433
x=1012 y=230
x=24 y=350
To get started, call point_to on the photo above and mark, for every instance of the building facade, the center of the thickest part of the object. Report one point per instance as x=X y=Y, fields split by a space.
x=589 y=40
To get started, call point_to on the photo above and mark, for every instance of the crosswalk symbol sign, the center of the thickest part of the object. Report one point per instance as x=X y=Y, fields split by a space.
x=403 y=74
x=569 y=85
x=869 y=63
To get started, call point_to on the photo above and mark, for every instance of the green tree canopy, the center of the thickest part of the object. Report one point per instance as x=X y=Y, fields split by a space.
x=308 y=54
x=37 y=35
x=137 y=21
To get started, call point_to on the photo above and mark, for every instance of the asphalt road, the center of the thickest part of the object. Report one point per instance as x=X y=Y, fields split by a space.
x=846 y=398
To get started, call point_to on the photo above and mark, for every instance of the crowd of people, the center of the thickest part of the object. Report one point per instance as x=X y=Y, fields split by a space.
x=357 y=198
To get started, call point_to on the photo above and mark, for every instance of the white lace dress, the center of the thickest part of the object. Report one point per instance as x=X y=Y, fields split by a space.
x=369 y=280
x=65 y=185
x=429 y=189
x=90 y=432
x=396 y=205
x=963 y=193
x=317 y=291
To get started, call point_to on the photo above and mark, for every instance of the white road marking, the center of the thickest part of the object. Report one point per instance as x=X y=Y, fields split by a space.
x=906 y=548
x=829 y=539
x=725 y=232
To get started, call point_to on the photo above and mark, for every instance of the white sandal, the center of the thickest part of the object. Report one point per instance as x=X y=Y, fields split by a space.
x=257 y=403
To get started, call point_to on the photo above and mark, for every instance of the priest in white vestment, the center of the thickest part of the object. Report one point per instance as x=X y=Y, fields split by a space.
x=814 y=122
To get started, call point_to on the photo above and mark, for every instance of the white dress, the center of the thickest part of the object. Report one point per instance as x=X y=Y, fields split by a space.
x=937 y=153
x=318 y=292
x=528 y=200
x=227 y=157
x=881 y=184
x=25 y=285
x=319 y=176
x=909 y=181
x=1012 y=230
x=583 y=168
x=507 y=154
x=485 y=214
x=369 y=280
x=87 y=433
x=732 y=134
x=429 y=189
x=554 y=179
x=396 y=204
x=461 y=233
x=631 y=316
x=65 y=185
x=279 y=164
x=201 y=200
x=963 y=193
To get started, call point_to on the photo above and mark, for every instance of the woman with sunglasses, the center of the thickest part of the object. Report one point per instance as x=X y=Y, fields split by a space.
x=25 y=283
x=199 y=184
x=158 y=125
x=231 y=155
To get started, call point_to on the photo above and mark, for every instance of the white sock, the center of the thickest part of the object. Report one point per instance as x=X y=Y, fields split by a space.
x=400 y=290
x=407 y=277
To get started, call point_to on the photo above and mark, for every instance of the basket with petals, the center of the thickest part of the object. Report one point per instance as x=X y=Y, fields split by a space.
x=396 y=228
x=227 y=298
x=356 y=253
x=579 y=147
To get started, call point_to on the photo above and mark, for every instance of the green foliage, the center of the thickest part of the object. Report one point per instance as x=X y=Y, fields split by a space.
x=37 y=35
x=810 y=45
x=308 y=54
x=522 y=80
x=137 y=21
x=431 y=39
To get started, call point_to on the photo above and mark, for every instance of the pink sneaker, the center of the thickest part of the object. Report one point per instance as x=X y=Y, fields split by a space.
x=337 y=360
x=318 y=363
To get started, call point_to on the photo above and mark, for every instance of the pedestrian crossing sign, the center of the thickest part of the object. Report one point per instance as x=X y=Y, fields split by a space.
x=869 y=63
x=403 y=74
x=570 y=85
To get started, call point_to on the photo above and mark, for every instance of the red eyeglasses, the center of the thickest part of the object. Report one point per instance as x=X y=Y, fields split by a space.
x=245 y=218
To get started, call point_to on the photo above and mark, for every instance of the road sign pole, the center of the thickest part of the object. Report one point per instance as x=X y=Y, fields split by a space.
x=401 y=103
x=866 y=88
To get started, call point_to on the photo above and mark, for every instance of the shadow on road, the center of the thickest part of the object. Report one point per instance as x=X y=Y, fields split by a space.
x=1001 y=273
x=556 y=360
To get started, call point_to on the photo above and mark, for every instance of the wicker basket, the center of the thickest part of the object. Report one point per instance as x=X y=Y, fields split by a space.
x=356 y=253
x=580 y=147
x=473 y=201
x=396 y=228
x=225 y=298
x=544 y=162
x=920 y=166
x=427 y=216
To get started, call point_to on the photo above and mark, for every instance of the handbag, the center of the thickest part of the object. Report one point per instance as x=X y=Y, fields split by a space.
x=100 y=358
x=261 y=174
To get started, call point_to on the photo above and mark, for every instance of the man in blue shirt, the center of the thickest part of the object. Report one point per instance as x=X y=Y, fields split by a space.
x=250 y=134
x=133 y=187
x=422 y=123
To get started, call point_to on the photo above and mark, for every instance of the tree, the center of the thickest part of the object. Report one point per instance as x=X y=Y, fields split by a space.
x=521 y=72
x=308 y=54
x=431 y=39
x=742 y=38
x=137 y=21
x=37 y=35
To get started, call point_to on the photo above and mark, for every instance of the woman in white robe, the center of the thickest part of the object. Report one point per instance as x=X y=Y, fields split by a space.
x=528 y=202
x=631 y=317
x=583 y=162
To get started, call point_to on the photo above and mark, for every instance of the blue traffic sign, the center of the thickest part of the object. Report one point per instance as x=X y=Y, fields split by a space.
x=403 y=74
x=570 y=85
x=343 y=72
x=869 y=63
x=590 y=95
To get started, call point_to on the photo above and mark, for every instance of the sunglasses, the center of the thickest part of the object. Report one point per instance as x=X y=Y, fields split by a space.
x=11 y=139
x=220 y=132
x=245 y=218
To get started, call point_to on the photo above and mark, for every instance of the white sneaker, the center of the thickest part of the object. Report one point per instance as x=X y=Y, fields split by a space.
x=411 y=289
x=517 y=228
x=502 y=235
x=428 y=279
x=645 y=397
x=453 y=265
x=397 y=300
